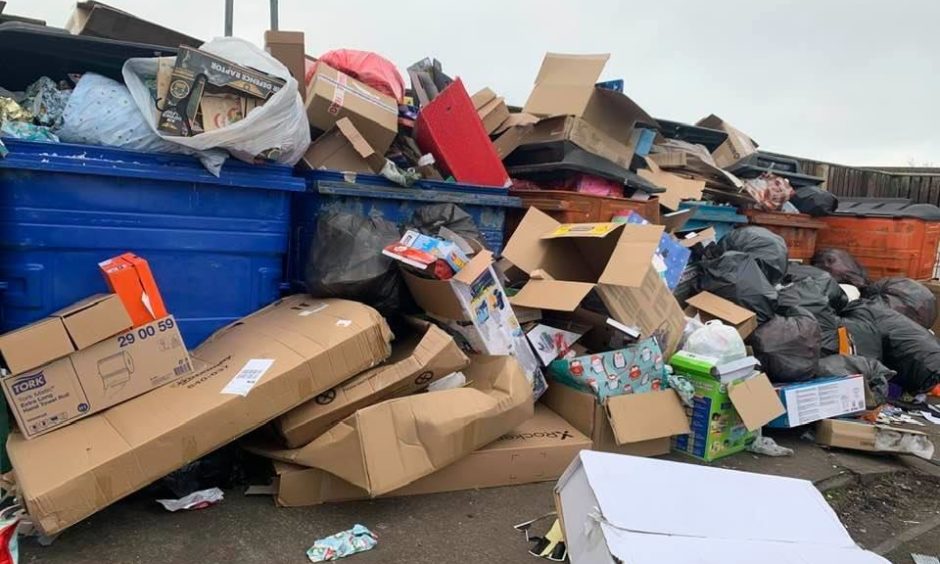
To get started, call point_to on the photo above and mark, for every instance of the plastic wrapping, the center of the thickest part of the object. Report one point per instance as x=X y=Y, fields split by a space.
x=814 y=201
x=769 y=190
x=717 y=340
x=876 y=374
x=346 y=261
x=842 y=266
x=46 y=102
x=763 y=245
x=905 y=296
x=788 y=346
x=737 y=277
x=368 y=68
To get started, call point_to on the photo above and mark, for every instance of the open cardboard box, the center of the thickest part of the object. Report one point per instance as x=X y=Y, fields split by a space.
x=343 y=148
x=736 y=147
x=709 y=306
x=566 y=262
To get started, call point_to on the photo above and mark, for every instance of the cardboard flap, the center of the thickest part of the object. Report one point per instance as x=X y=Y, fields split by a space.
x=525 y=249
x=583 y=230
x=632 y=257
x=719 y=307
x=355 y=138
x=473 y=269
x=564 y=84
x=435 y=296
x=556 y=295
x=642 y=417
x=677 y=188
x=756 y=401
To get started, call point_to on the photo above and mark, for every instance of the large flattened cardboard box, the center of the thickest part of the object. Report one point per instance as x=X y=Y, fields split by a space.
x=808 y=402
x=538 y=450
x=332 y=95
x=246 y=375
x=729 y=517
x=417 y=360
x=389 y=445
x=566 y=262
x=473 y=307
x=565 y=86
x=639 y=424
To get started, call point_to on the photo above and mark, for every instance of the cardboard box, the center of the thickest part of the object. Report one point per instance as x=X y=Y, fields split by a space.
x=343 y=148
x=95 y=378
x=450 y=129
x=34 y=345
x=709 y=306
x=97 y=19
x=491 y=108
x=719 y=517
x=288 y=48
x=246 y=375
x=634 y=369
x=473 y=307
x=565 y=86
x=94 y=319
x=725 y=417
x=582 y=134
x=389 y=445
x=538 y=450
x=677 y=188
x=193 y=72
x=130 y=277
x=567 y=262
x=857 y=435
x=736 y=147
x=638 y=424
x=670 y=258
x=808 y=402
x=416 y=361
x=332 y=96
x=510 y=140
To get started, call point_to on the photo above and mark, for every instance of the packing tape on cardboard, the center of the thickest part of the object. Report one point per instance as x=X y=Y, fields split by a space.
x=341 y=84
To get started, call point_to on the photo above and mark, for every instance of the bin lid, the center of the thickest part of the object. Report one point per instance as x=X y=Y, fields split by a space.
x=887 y=207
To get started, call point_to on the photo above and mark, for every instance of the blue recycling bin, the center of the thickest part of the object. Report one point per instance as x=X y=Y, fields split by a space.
x=217 y=245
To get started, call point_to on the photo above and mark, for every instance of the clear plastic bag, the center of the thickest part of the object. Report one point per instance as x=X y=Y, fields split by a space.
x=717 y=340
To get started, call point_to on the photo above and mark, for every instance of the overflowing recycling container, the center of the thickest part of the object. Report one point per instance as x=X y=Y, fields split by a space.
x=217 y=245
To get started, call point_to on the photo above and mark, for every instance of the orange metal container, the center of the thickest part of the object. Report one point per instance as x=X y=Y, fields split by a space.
x=574 y=207
x=799 y=230
x=886 y=247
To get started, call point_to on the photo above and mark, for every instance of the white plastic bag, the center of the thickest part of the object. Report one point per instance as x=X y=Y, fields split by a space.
x=100 y=111
x=280 y=123
x=717 y=340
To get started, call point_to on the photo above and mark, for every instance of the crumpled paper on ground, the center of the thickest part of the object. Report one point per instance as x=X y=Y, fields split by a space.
x=196 y=500
x=768 y=447
x=344 y=543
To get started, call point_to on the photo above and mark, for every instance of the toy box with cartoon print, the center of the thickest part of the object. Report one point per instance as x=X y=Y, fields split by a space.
x=634 y=369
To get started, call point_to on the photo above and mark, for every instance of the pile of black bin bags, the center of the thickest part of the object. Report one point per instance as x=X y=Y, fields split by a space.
x=801 y=308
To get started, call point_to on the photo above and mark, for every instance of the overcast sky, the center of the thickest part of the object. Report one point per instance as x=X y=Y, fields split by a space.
x=849 y=81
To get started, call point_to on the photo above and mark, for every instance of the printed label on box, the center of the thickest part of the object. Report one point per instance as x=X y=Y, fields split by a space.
x=248 y=376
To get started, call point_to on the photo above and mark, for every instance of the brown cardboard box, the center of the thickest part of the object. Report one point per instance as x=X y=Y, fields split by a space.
x=343 y=148
x=736 y=147
x=34 y=345
x=491 y=108
x=94 y=319
x=97 y=19
x=95 y=378
x=389 y=445
x=417 y=360
x=332 y=95
x=582 y=134
x=288 y=48
x=565 y=87
x=307 y=346
x=538 y=450
x=677 y=188
x=857 y=435
x=709 y=306
x=510 y=139
x=637 y=424
x=566 y=262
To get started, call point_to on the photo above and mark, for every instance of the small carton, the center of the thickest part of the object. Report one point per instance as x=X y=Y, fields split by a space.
x=808 y=402
x=565 y=86
x=94 y=319
x=566 y=262
x=637 y=424
x=34 y=345
x=736 y=147
x=627 y=509
x=491 y=108
x=537 y=450
x=858 y=435
x=95 y=378
x=473 y=307
x=709 y=306
x=288 y=48
x=416 y=361
x=725 y=416
x=634 y=369
x=389 y=445
x=130 y=277
x=343 y=148
x=193 y=72
x=332 y=96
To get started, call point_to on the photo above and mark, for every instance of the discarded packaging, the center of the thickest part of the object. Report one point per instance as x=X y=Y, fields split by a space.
x=635 y=369
x=129 y=276
x=342 y=544
x=857 y=435
x=196 y=500
x=808 y=402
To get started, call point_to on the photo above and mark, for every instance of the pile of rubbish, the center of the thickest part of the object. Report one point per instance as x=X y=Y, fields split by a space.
x=693 y=303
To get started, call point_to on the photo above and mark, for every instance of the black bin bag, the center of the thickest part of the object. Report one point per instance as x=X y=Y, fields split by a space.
x=810 y=294
x=788 y=345
x=837 y=297
x=736 y=277
x=842 y=266
x=905 y=296
x=764 y=246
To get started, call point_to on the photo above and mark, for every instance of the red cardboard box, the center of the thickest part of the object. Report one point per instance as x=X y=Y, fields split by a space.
x=450 y=129
x=129 y=277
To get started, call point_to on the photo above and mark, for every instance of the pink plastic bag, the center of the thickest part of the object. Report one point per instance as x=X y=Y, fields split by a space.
x=374 y=70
